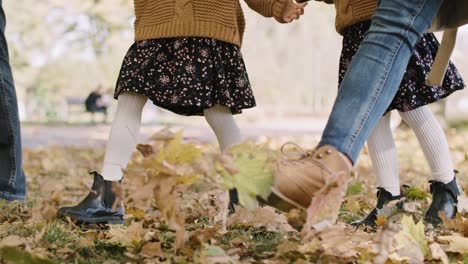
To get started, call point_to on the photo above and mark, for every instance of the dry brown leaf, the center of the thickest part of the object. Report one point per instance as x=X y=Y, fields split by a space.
x=262 y=217
x=438 y=253
x=381 y=221
x=166 y=200
x=297 y=218
x=118 y=235
x=459 y=223
x=146 y=150
x=39 y=235
x=326 y=204
x=119 y=194
x=152 y=250
x=86 y=242
x=12 y=241
x=49 y=211
x=336 y=240
x=136 y=232
x=199 y=237
x=456 y=243
x=463 y=204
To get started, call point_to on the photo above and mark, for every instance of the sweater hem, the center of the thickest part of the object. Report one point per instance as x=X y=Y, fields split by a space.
x=189 y=29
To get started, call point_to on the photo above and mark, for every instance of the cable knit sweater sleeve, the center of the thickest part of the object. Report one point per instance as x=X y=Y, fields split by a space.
x=268 y=8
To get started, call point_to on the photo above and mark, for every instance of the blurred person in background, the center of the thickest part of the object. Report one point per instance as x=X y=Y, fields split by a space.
x=12 y=178
x=98 y=101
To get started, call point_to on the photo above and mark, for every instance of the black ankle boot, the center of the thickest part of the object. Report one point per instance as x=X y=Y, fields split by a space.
x=445 y=199
x=233 y=200
x=96 y=208
x=383 y=197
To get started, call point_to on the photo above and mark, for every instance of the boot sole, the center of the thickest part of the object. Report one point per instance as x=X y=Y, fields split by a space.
x=279 y=201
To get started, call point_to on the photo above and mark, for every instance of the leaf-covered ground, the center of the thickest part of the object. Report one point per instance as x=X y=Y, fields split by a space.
x=175 y=200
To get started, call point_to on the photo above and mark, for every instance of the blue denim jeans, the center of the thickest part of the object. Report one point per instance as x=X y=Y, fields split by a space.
x=12 y=178
x=376 y=72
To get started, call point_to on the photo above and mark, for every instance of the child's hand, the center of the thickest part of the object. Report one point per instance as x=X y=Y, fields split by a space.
x=293 y=11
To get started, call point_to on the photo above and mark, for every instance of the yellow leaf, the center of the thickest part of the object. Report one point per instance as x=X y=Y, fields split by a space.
x=138 y=214
x=249 y=171
x=176 y=152
x=381 y=221
x=411 y=240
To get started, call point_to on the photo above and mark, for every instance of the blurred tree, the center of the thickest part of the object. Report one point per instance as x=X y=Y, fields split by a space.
x=64 y=48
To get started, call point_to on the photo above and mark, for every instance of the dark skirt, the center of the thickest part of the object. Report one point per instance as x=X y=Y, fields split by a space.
x=413 y=91
x=187 y=75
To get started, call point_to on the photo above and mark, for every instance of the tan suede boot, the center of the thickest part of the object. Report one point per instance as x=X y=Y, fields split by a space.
x=298 y=180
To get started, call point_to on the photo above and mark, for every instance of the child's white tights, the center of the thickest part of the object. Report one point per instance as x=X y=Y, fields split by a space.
x=431 y=137
x=126 y=126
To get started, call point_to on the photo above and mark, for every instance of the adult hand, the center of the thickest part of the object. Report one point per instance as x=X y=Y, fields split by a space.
x=293 y=11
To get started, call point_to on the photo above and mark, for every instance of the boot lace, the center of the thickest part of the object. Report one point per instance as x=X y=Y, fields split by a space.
x=293 y=152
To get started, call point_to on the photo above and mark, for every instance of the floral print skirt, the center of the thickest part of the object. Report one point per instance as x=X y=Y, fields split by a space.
x=187 y=75
x=413 y=91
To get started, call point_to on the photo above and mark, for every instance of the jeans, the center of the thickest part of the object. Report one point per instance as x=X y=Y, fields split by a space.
x=12 y=178
x=376 y=72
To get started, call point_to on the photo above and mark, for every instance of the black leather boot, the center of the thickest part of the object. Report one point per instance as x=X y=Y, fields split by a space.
x=96 y=208
x=383 y=197
x=233 y=200
x=445 y=199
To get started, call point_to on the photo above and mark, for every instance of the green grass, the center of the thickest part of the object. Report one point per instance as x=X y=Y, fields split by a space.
x=56 y=235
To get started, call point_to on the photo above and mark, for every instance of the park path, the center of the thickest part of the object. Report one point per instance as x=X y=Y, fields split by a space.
x=42 y=135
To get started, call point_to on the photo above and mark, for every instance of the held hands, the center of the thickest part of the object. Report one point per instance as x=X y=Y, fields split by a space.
x=293 y=10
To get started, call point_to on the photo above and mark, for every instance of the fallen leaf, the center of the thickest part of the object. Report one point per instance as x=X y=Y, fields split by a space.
x=12 y=241
x=326 y=204
x=459 y=223
x=14 y=255
x=145 y=150
x=438 y=253
x=118 y=235
x=262 y=217
x=457 y=243
x=411 y=242
x=248 y=168
x=381 y=221
x=463 y=204
x=151 y=250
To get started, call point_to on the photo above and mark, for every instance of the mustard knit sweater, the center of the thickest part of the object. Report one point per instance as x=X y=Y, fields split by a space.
x=350 y=12
x=218 y=19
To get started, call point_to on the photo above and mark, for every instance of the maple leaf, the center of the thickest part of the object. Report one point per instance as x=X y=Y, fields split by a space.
x=151 y=250
x=248 y=168
x=213 y=255
x=146 y=150
x=459 y=223
x=326 y=204
x=437 y=253
x=118 y=235
x=262 y=217
x=166 y=200
x=381 y=221
x=176 y=152
x=456 y=242
x=411 y=241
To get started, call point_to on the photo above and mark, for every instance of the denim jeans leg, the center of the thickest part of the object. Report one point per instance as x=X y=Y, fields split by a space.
x=376 y=72
x=12 y=178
